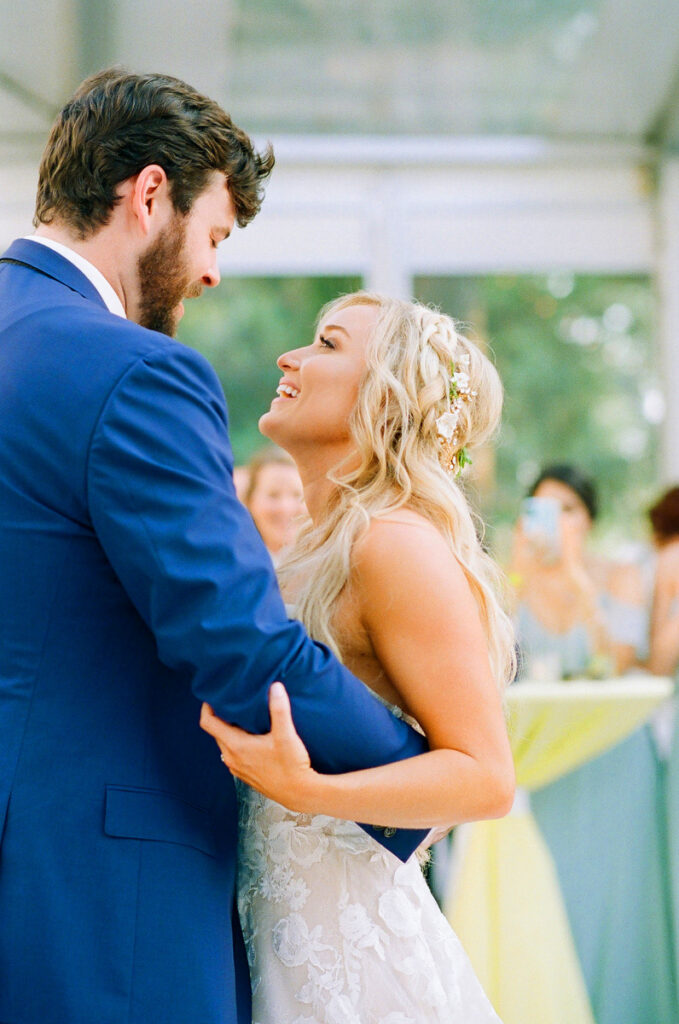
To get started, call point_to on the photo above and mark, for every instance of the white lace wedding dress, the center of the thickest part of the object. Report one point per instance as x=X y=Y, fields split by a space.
x=339 y=931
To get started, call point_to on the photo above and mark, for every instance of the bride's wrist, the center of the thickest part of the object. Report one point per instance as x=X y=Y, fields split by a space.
x=308 y=795
x=322 y=795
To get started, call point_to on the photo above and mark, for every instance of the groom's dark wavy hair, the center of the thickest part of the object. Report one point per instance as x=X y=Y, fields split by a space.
x=117 y=123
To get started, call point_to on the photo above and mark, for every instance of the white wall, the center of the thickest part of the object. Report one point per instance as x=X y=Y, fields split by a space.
x=421 y=206
x=18 y=182
x=667 y=269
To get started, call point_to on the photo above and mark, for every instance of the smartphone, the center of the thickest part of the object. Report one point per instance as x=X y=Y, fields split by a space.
x=540 y=522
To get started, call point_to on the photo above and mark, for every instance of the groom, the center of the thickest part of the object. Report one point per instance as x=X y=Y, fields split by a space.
x=133 y=585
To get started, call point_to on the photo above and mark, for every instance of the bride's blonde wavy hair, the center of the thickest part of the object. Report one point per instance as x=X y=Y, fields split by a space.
x=404 y=389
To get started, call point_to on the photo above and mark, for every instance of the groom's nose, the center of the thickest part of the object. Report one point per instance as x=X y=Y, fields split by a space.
x=211 y=277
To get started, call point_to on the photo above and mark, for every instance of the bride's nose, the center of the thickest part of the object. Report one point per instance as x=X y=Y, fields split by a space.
x=288 y=361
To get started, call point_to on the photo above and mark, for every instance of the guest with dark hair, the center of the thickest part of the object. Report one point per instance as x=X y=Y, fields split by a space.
x=664 y=516
x=570 y=476
x=664 y=643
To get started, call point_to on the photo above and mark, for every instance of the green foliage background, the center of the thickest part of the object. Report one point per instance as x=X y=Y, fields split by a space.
x=578 y=360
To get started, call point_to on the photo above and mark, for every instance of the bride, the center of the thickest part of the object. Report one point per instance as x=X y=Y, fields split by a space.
x=390 y=574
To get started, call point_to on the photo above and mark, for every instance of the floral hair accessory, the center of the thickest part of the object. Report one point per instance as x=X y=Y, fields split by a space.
x=459 y=391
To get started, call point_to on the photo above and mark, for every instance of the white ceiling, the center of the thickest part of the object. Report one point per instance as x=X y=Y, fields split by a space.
x=561 y=69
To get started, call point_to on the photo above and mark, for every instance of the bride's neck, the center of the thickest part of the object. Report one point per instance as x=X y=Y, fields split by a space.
x=314 y=467
x=317 y=492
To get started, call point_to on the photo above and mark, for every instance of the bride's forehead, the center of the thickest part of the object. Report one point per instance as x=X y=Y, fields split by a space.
x=354 y=321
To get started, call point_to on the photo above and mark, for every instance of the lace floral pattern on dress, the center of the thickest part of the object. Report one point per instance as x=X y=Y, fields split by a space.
x=339 y=931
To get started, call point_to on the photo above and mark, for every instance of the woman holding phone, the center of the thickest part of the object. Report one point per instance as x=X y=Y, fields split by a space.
x=576 y=614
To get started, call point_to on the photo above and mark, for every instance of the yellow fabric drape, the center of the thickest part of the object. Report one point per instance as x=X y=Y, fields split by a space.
x=506 y=905
x=555 y=727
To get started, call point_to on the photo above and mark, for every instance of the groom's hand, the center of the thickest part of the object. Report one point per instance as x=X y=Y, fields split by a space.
x=276 y=763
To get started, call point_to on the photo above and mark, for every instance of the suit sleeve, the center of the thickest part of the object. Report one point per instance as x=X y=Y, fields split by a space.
x=163 y=504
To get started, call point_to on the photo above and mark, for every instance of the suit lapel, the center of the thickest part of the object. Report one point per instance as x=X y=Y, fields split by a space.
x=52 y=264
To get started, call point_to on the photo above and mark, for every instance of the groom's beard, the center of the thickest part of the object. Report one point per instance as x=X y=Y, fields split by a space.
x=164 y=279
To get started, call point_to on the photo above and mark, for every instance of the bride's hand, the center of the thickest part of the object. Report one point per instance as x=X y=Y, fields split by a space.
x=276 y=763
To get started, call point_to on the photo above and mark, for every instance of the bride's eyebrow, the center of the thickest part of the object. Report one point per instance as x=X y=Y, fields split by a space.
x=333 y=327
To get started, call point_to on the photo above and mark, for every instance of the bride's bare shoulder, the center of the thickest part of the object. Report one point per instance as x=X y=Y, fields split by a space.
x=403 y=537
x=402 y=517
x=407 y=583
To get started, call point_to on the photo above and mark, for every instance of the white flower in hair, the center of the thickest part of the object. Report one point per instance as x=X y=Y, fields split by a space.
x=462 y=382
x=459 y=391
x=446 y=424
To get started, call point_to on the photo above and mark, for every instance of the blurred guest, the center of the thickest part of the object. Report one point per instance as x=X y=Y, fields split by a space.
x=664 y=660
x=664 y=644
x=274 y=497
x=241 y=480
x=600 y=821
x=577 y=614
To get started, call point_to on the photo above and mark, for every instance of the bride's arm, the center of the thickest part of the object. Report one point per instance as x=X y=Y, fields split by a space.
x=423 y=623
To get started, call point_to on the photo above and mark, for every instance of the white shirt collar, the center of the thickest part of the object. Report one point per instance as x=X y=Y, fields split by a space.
x=93 y=275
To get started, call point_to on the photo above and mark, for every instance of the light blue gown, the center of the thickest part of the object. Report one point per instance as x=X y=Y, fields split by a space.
x=671 y=745
x=605 y=824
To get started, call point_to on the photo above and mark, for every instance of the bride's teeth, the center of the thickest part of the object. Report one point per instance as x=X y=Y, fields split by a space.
x=286 y=389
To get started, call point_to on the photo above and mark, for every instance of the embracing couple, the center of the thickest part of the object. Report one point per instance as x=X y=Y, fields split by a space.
x=134 y=588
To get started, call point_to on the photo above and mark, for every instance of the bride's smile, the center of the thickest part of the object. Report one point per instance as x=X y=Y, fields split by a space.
x=285 y=388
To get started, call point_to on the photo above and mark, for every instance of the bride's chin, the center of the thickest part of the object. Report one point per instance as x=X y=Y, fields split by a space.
x=269 y=428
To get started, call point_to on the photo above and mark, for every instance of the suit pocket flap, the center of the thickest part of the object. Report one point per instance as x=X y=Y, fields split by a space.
x=133 y=813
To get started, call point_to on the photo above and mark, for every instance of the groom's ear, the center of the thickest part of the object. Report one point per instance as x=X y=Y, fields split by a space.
x=149 y=198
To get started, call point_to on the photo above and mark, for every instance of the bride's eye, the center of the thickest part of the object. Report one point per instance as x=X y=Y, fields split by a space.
x=325 y=342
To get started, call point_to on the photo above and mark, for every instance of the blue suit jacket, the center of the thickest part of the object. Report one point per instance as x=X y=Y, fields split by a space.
x=133 y=585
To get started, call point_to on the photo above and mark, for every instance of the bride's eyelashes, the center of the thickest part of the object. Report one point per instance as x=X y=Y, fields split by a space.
x=325 y=342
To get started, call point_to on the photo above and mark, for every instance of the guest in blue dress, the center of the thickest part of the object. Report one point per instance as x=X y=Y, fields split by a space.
x=578 y=615
x=663 y=659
